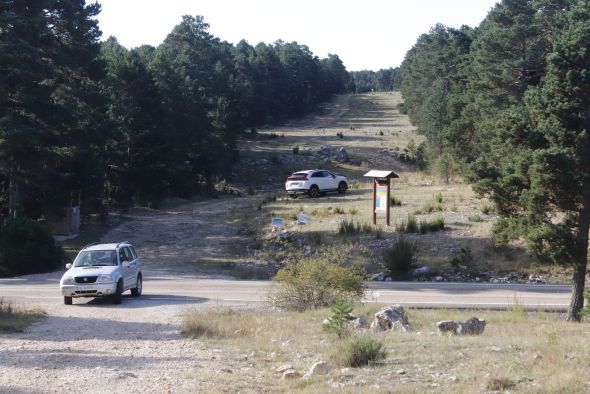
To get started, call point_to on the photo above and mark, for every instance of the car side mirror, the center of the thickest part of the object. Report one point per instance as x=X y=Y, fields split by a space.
x=68 y=266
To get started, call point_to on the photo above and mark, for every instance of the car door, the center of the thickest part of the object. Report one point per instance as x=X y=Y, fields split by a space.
x=130 y=268
x=330 y=182
x=317 y=178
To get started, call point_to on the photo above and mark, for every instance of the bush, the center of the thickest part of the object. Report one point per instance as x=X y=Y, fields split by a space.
x=358 y=351
x=27 y=247
x=475 y=218
x=411 y=226
x=16 y=319
x=399 y=258
x=352 y=227
x=395 y=202
x=296 y=150
x=339 y=210
x=353 y=211
x=316 y=282
x=488 y=208
x=434 y=224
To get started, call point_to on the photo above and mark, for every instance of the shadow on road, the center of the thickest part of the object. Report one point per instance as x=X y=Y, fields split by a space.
x=146 y=300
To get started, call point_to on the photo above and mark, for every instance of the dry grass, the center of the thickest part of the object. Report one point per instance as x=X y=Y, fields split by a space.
x=520 y=351
x=14 y=318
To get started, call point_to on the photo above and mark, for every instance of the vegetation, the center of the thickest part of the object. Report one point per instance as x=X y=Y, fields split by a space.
x=436 y=223
x=394 y=201
x=358 y=351
x=337 y=323
x=16 y=319
x=27 y=247
x=353 y=227
x=508 y=103
x=113 y=127
x=399 y=258
x=318 y=281
x=219 y=323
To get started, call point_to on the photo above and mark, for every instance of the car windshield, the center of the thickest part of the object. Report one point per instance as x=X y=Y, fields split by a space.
x=96 y=257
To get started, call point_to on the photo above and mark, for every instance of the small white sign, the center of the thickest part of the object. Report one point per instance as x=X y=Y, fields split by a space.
x=278 y=222
x=303 y=218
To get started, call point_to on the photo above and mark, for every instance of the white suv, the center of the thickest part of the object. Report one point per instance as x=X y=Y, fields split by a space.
x=314 y=183
x=103 y=270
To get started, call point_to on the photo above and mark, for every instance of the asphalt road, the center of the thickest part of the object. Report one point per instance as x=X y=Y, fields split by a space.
x=43 y=290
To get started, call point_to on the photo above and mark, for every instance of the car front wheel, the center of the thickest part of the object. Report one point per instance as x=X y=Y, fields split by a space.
x=67 y=300
x=314 y=191
x=117 y=296
x=342 y=186
x=136 y=292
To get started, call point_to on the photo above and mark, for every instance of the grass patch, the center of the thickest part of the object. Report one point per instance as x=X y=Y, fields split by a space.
x=353 y=227
x=408 y=226
x=320 y=212
x=475 y=218
x=429 y=208
x=353 y=211
x=339 y=210
x=358 y=351
x=488 y=208
x=218 y=323
x=15 y=318
x=394 y=201
x=435 y=224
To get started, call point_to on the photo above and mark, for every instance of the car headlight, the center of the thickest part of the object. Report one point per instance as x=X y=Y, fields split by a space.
x=67 y=280
x=105 y=278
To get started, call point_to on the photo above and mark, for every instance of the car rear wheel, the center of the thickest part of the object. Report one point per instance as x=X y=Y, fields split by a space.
x=314 y=191
x=136 y=292
x=342 y=186
x=117 y=296
x=68 y=300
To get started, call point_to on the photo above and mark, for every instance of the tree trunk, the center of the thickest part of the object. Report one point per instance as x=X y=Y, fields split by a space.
x=581 y=259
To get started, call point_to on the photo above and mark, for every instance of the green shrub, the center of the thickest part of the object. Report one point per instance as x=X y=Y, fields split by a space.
x=339 y=210
x=399 y=258
x=337 y=323
x=410 y=226
x=438 y=198
x=395 y=202
x=352 y=227
x=296 y=150
x=429 y=208
x=488 y=208
x=464 y=257
x=27 y=247
x=475 y=218
x=225 y=188
x=353 y=211
x=435 y=224
x=316 y=282
x=339 y=135
x=358 y=351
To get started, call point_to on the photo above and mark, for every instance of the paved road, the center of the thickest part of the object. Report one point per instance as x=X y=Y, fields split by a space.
x=182 y=290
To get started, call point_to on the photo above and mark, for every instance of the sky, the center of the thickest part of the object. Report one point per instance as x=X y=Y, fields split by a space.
x=365 y=34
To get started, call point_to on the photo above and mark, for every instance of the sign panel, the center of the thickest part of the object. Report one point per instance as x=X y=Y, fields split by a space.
x=381 y=197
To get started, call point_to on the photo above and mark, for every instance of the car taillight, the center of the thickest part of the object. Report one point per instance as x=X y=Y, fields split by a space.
x=297 y=178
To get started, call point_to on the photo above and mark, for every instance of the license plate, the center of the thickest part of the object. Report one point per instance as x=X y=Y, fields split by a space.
x=84 y=288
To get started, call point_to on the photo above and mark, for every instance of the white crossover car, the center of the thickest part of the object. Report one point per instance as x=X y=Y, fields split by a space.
x=103 y=270
x=314 y=183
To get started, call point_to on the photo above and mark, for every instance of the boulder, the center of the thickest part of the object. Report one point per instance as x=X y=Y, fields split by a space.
x=473 y=326
x=358 y=324
x=320 y=368
x=391 y=318
x=291 y=374
x=379 y=277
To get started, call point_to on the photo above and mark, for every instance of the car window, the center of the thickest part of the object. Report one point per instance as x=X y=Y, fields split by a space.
x=126 y=254
x=133 y=252
x=96 y=257
x=316 y=174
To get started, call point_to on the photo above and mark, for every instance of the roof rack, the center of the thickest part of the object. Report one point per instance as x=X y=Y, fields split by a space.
x=122 y=242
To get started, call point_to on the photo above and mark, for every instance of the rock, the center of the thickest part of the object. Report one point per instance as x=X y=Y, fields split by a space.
x=391 y=318
x=291 y=374
x=401 y=372
x=284 y=368
x=473 y=326
x=379 y=277
x=439 y=279
x=320 y=368
x=358 y=324
x=388 y=279
x=420 y=271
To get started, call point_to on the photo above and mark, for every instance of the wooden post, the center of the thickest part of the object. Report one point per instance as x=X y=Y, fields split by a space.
x=388 y=202
x=374 y=201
